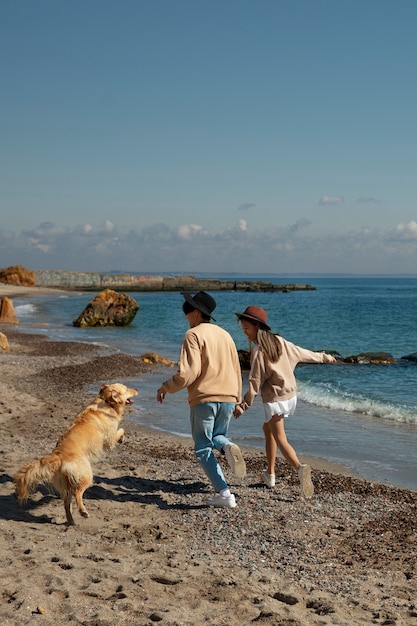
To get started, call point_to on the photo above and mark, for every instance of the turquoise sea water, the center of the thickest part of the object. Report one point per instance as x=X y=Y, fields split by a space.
x=361 y=416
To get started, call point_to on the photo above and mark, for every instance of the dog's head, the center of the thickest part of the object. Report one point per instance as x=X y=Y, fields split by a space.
x=117 y=395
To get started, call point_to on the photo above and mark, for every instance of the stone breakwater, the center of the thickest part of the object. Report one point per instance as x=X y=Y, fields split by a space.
x=96 y=281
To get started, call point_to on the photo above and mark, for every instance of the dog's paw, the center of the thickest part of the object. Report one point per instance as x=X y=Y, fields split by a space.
x=120 y=436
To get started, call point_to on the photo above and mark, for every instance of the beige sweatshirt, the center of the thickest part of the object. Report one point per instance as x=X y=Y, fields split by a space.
x=276 y=381
x=208 y=367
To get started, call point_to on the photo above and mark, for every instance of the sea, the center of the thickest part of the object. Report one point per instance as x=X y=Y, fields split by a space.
x=362 y=417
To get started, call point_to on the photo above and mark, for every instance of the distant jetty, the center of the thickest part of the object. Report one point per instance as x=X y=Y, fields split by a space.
x=95 y=281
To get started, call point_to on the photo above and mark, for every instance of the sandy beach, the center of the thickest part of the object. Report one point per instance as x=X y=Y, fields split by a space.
x=152 y=551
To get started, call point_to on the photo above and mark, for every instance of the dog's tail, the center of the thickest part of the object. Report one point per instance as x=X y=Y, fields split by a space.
x=36 y=473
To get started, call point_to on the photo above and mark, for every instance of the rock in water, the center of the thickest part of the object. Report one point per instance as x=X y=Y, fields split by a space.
x=108 y=308
x=7 y=312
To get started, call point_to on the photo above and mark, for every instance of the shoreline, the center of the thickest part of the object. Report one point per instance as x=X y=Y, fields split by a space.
x=152 y=551
x=317 y=462
x=13 y=291
x=380 y=471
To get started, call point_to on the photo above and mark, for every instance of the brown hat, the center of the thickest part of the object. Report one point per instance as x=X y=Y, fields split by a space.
x=203 y=302
x=255 y=314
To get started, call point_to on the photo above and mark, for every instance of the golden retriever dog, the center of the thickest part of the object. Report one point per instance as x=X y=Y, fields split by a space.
x=68 y=466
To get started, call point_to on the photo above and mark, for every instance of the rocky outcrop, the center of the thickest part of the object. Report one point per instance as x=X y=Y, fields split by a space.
x=17 y=275
x=108 y=308
x=7 y=312
x=244 y=359
x=370 y=357
x=156 y=359
x=4 y=344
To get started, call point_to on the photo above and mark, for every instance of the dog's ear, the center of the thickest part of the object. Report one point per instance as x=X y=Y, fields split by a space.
x=102 y=391
x=109 y=395
x=115 y=397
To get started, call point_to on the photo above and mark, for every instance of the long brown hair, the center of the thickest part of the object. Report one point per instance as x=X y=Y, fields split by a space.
x=269 y=344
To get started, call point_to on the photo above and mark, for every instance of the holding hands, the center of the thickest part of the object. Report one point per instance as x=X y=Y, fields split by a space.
x=237 y=412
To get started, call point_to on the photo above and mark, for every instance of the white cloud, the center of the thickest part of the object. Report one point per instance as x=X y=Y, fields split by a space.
x=331 y=199
x=106 y=228
x=191 y=248
x=43 y=247
x=407 y=231
x=109 y=226
x=186 y=231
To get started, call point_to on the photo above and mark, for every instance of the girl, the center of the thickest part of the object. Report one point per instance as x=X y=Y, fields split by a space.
x=273 y=361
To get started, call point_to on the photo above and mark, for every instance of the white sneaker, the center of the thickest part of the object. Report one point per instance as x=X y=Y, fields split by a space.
x=268 y=479
x=235 y=459
x=307 y=487
x=220 y=501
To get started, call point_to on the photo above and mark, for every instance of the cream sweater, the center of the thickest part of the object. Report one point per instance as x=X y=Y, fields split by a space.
x=208 y=367
x=276 y=381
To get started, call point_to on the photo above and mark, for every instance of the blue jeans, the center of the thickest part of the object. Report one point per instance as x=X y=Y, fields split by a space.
x=209 y=424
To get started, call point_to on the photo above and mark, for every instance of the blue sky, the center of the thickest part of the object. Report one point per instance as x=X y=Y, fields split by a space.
x=223 y=136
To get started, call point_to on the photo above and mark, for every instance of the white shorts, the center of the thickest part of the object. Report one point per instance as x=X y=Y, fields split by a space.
x=285 y=408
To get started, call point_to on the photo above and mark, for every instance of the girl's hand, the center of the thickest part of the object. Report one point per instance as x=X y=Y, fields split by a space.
x=237 y=412
x=160 y=395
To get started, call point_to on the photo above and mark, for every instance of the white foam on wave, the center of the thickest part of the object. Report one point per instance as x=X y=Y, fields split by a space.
x=335 y=399
x=23 y=310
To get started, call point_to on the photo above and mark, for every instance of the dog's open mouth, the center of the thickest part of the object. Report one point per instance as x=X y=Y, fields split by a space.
x=129 y=401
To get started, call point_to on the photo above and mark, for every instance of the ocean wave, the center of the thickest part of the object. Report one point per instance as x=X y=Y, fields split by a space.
x=327 y=396
x=24 y=310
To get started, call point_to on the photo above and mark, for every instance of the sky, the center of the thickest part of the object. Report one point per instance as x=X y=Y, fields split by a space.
x=253 y=136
